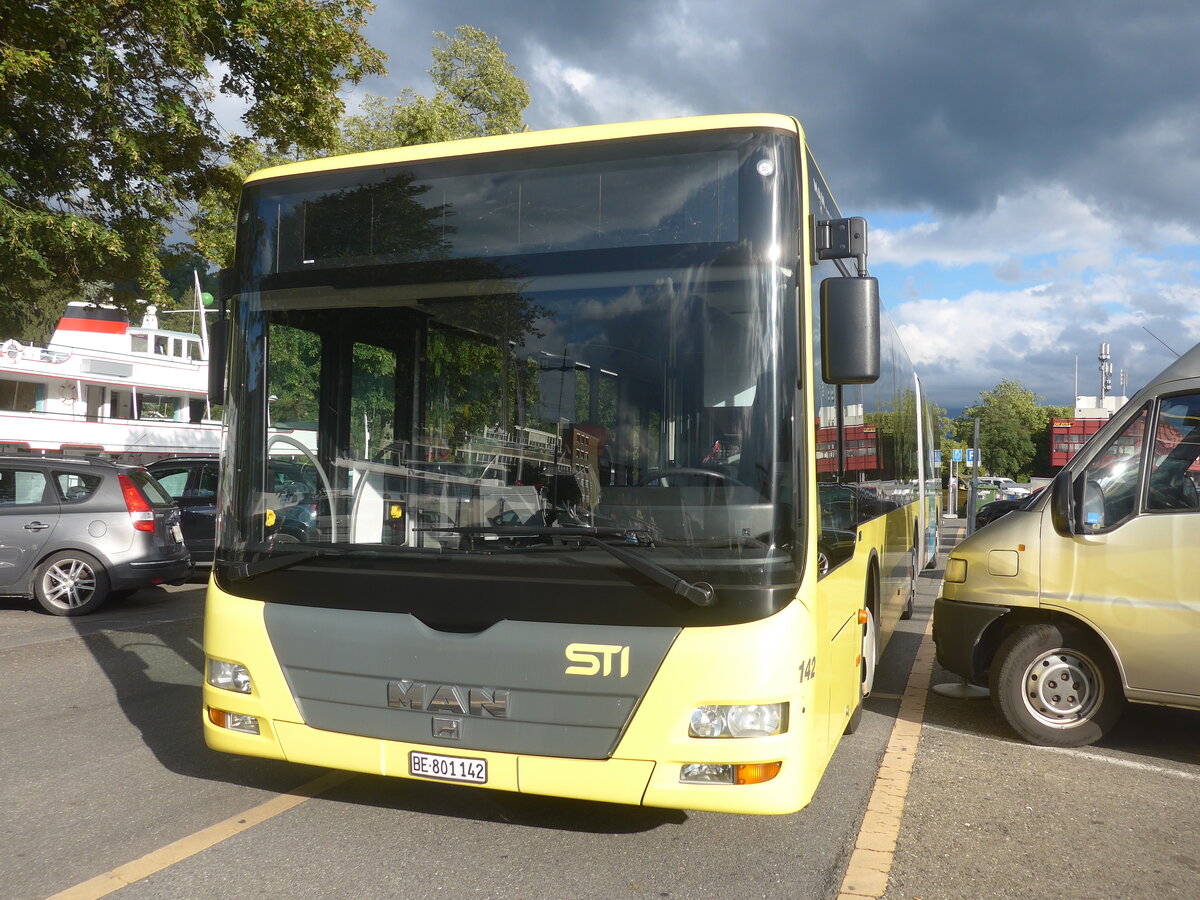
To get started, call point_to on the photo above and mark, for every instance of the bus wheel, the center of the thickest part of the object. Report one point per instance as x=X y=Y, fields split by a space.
x=911 y=603
x=1056 y=686
x=870 y=644
x=870 y=652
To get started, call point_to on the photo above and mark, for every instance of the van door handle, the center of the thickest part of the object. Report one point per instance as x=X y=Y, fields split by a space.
x=36 y=526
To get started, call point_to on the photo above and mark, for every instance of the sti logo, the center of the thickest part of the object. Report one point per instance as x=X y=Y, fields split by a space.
x=597 y=659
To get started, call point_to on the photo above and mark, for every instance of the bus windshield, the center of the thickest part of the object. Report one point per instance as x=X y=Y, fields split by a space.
x=486 y=367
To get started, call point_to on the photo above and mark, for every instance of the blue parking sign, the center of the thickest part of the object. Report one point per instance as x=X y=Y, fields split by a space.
x=970 y=456
x=956 y=454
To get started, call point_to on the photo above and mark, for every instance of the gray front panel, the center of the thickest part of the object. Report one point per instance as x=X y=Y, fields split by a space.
x=339 y=665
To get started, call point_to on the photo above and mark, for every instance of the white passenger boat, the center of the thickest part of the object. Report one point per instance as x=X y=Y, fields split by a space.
x=102 y=386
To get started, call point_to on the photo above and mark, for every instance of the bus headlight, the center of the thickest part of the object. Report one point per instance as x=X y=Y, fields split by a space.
x=228 y=676
x=751 y=720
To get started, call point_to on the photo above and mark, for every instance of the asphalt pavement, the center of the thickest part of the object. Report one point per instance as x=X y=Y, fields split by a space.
x=108 y=789
x=988 y=815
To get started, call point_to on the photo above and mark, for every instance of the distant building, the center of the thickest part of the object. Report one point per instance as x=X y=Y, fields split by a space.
x=1067 y=436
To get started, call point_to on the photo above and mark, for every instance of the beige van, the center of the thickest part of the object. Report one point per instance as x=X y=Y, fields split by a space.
x=1088 y=598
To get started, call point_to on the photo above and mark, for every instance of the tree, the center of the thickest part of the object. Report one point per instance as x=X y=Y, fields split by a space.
x=1042 y=439
x=477 y=93
x=1010 y=416
x=107 y=130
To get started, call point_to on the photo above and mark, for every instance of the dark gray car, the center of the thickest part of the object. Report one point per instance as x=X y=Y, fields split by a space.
x=74 y=532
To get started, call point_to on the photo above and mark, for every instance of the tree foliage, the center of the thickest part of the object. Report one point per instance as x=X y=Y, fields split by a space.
x=1011 y=418
x=107 y=123
x=477 y=93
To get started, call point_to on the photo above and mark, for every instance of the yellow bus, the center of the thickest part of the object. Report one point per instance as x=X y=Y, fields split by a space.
x=614 y=484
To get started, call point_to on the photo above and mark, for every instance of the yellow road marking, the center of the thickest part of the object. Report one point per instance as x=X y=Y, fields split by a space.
x=874 y=849
x=157 y=860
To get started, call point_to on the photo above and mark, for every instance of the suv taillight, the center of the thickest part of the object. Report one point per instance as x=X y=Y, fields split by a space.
x=140 y=512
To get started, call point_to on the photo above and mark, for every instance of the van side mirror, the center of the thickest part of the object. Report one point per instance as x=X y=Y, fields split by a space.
x=850 y=330
x=1062 y=507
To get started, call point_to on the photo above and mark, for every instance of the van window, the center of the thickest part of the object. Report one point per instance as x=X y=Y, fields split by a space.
x=1174 y=469
x=1113 y=477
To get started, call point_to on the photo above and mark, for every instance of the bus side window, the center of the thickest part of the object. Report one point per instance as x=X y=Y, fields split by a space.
x=1174 y=468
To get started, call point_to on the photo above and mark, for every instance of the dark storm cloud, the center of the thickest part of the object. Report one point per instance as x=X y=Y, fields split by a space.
x=942 y=104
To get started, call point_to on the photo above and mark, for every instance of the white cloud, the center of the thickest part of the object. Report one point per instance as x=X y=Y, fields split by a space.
x=571 y=95
x=1042 y=220
x=688 y=30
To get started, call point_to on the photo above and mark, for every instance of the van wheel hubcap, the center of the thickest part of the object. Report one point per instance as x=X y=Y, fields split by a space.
x=1062 y=688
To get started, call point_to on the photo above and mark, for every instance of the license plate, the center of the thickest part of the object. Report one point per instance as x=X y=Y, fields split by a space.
x=447 y=768
x=177 y=533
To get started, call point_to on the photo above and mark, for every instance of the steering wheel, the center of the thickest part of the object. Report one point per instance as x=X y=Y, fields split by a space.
x=292 y=442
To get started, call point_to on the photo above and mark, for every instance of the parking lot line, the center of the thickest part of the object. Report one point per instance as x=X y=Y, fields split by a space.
x=874 y=849
x=157 y=860
x=1077 y=753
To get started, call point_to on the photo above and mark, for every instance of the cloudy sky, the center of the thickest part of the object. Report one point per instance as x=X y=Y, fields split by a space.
x=1030 y=170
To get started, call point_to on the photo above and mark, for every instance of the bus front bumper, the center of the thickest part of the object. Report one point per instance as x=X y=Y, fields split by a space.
x=614 y=780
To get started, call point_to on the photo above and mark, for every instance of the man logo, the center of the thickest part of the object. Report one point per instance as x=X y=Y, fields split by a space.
x=405 y=694
x=597 y=659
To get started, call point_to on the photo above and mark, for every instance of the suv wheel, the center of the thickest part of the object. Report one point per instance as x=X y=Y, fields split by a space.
x=70 y=583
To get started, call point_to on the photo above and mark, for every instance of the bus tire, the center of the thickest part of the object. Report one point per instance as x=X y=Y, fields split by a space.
x=1056 y=685
x=70 y=583
x=870 y=653
x=910 y=605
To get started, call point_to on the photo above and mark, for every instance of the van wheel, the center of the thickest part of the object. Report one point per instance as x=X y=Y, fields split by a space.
x=1056 y=685
x=70 y=583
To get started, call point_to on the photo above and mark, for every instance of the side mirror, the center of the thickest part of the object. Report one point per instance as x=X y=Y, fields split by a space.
x=1061 y=505
x=218 y=338
x=850 y=330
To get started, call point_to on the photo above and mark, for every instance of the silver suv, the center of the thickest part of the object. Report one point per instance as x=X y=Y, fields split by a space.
x=74 y=532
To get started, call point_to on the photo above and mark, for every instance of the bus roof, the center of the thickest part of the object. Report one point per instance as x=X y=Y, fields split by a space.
x=531 y=139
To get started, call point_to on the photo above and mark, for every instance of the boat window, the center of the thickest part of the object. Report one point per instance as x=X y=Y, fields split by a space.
x=177 y=347
x=19 y=395
x=157 y=406
x=193 y=351
x=121 y=405
x=160 y=345
x=139 y=343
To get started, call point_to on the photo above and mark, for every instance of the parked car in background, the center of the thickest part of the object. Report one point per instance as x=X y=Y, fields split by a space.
x=76 y=532
x=1006 y=488
x=192 y=482
x=990 y=512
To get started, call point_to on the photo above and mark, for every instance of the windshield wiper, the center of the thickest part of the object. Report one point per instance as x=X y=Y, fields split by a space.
x=275 y=563
x=700 y=593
